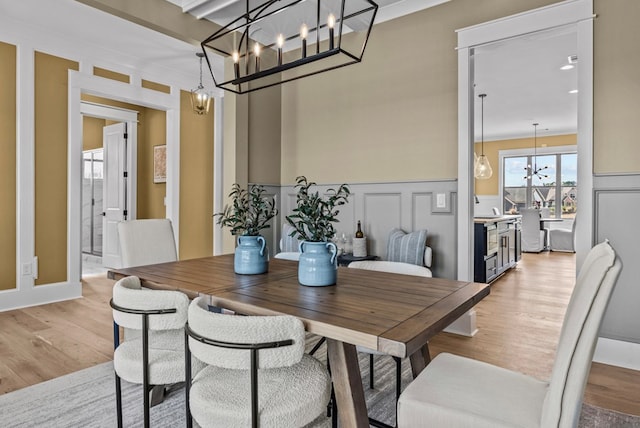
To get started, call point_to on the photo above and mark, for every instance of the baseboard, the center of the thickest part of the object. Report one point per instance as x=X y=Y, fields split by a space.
x=617 y=353
x=39 y=295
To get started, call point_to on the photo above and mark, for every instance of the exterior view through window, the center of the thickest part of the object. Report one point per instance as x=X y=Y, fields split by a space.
x=554 y=186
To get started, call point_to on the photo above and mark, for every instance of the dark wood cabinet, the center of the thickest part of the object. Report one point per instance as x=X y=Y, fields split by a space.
x=496 y=248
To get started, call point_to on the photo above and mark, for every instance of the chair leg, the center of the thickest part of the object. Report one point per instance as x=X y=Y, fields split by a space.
x=371 y=384
x=119 y=400
x=145 y=368
x=157 y=394
x=187 y=378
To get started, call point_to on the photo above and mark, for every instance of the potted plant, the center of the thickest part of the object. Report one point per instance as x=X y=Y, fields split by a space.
x=249 y=213
x=313 y=220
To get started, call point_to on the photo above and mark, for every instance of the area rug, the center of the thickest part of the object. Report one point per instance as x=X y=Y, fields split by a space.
x=87 y=399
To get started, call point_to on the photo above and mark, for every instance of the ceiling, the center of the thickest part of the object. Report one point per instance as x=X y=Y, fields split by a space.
x=521 y=77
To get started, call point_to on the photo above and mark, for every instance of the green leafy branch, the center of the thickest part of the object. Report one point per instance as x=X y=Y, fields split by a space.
x=250 y=211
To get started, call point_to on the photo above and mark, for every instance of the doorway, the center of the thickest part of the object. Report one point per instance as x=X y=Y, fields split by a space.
x=109 y=140
x=578 y=13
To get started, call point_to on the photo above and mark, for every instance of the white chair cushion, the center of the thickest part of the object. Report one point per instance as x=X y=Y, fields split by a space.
x=166 y=366
x=392 y=267
x=288 y=256
x=288 y=396
x=454 y=392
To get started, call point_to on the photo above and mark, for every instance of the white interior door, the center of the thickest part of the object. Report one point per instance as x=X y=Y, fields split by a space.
x=114 y=191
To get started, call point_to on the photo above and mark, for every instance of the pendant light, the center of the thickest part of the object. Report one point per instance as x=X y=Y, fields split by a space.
x=535 y=171
x=482 y=169
x=200 y=98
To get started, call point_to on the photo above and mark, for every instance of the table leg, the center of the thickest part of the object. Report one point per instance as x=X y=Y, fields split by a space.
x=347 y=383
x=419 y=360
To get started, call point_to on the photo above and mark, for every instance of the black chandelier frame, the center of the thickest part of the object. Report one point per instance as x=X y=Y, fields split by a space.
x=242 y=83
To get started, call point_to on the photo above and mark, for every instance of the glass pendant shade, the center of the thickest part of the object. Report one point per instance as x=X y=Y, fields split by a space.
x=200 y=100
x=482 y=169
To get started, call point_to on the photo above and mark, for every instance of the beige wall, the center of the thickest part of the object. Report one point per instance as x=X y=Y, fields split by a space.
x=492 y=148
x=616 y=88
x=264 y=136
x=51 y=166
x=392 y=117
x=7 y=166
x=92 y=132
x=196 y=181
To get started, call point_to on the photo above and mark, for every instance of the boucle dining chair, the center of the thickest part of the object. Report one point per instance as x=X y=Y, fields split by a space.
x=256 y=371
x=390 y=267
x=146 y=242
x=154 y=356
x=454 y=391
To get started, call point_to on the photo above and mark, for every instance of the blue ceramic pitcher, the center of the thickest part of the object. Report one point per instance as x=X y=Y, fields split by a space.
x=318 y=263
x=251 y=256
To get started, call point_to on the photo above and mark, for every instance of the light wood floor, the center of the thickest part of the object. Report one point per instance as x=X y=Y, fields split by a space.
x=519 y=325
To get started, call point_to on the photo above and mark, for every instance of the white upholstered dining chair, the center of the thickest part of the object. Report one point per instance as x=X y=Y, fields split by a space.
x=533 y=238
x=146 y=242
x=256 y=373
x=454 y=391
x=563 y=239
x=390 y=267
x=155 y=355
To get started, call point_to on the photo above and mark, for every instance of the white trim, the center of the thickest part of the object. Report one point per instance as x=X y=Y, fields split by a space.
x=39 y=295
x=84 y=83
x=218 y=172
x=25 y=165
x=108 y=112
x=570 y=12
x=551 y=16
x=617 y=353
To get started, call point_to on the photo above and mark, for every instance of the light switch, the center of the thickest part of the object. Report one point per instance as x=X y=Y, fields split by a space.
x=441 y=200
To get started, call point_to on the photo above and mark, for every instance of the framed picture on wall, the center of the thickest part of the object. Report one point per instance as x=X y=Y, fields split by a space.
x=160 y=164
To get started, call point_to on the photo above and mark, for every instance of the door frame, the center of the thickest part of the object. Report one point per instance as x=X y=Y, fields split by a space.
x=80 y=83
x=570 y=12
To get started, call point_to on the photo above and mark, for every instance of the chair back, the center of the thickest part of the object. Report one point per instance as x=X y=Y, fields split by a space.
x=392 y=267
x=244 y=329
x=578 y=337
x=128 y=293
x=146 y=242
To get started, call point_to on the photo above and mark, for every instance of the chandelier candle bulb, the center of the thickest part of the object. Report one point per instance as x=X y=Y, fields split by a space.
x=280 y=42
x=236 y=64
x=304 y=32
x=256 y=51
x=331 y=22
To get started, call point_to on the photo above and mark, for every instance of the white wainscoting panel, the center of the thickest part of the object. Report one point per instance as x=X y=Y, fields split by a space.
x=617 y=202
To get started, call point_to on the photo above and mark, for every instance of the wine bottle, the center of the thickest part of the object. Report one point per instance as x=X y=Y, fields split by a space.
x=359 y=233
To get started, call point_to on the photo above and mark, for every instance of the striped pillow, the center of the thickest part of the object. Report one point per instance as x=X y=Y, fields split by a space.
x=288 y=244
x=407 y=247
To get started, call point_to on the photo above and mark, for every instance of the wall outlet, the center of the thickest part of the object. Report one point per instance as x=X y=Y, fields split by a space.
x=26 y=269
x=441 y=200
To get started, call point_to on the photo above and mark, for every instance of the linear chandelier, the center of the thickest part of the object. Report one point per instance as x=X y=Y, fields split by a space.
x=284 y=40
x=535 y=171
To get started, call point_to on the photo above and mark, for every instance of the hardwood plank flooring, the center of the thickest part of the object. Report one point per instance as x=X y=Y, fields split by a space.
x=519 y=324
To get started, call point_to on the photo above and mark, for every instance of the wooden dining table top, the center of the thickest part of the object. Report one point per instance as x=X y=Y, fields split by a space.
x=392 y=313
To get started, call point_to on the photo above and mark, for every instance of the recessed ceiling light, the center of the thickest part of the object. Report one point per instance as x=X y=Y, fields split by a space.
x=566 y=67
x=573 y=91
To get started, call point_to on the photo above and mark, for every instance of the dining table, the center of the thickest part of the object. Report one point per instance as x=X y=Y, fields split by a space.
x=391 y=313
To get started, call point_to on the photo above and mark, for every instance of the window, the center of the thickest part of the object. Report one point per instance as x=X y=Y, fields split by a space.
x=554 y=186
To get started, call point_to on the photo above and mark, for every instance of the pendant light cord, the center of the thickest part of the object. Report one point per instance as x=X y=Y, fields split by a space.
x=482 y=123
